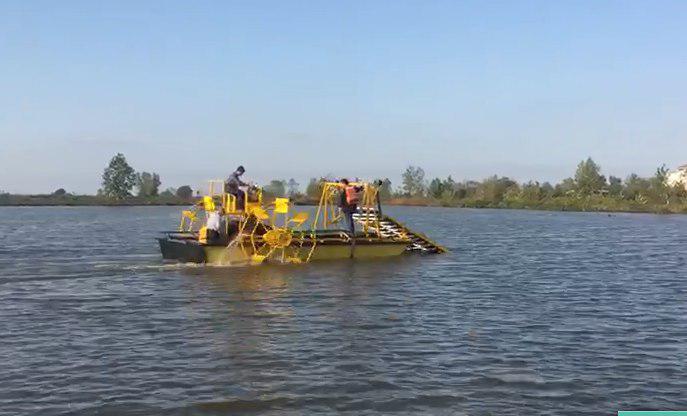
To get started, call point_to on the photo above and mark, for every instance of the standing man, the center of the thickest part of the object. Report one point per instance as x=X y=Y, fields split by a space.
x=231 y=186
x=348 y=204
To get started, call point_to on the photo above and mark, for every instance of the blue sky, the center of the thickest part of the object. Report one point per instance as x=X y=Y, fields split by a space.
x=300 y=89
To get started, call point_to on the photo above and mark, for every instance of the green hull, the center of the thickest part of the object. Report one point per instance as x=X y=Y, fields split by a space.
x=188 y=250
x=237 y=255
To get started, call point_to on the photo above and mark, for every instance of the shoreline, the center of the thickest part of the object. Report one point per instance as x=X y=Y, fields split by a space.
x=410 y=203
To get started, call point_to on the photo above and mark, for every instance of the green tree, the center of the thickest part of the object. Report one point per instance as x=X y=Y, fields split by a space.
x=275 y=188
x=436 y=188
x=677 y=192
x=547 y=190
x=461 y=190
x=313 y=188
x=60 y=192
x=148 y=184
x=385 y=189
x=448 y=191
x=184 y=192
x=566 y=187
x=293 y=189
x=635 y=188
x=413 y=180
x=531 y=192
x=118 y=178
x=169 y=192
x=588 y=177
x=4 y=197
x=658 y=188
x=615 y=186
x=493 y=189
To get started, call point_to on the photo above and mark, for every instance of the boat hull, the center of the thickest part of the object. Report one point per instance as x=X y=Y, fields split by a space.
x=186 y=250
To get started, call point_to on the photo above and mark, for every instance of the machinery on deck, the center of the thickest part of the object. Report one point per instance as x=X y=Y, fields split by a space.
x=273 y=232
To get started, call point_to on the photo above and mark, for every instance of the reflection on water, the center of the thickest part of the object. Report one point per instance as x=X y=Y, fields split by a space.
x=530 y=312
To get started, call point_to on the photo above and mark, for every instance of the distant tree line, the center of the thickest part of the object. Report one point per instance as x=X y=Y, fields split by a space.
x=119 y=179
x=587 y=190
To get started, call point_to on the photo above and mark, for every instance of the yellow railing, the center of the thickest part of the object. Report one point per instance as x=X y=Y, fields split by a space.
x=328 y=212
x=275 y=218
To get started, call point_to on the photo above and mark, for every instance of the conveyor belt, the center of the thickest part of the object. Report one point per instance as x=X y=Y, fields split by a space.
x=390 y=228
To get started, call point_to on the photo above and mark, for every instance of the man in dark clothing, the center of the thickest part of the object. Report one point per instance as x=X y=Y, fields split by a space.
x=232 y=184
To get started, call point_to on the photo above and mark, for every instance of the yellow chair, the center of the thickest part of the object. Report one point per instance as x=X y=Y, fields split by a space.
x=187 y=215
x=253 y=201
x=208 y=204
x=299 y=218
x=281 y=206
x=229 y=202
x=259 y=213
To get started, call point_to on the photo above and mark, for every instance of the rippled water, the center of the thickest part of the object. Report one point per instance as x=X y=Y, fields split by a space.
x=560 y=313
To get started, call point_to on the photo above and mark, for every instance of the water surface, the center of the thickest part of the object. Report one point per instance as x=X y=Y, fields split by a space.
x=547 y=313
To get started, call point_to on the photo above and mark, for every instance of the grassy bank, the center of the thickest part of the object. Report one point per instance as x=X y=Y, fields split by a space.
x=86 y=200
x=591 y=203
x=586 y=190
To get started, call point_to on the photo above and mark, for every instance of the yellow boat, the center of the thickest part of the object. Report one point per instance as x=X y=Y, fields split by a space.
x=272 y=232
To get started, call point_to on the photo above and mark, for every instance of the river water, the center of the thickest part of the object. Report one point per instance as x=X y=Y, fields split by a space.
x=530 y=312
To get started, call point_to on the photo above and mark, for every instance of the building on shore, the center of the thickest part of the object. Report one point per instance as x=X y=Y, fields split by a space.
x=677 y=176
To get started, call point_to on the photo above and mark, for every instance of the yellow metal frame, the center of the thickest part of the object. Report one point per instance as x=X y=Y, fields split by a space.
x=327 y=208
x=251 y=205
x=277 y=239
x=259 y=247
x=368 y=207
x=328 y=212
x=216 y=198
x=228 y=201
x=191 y=215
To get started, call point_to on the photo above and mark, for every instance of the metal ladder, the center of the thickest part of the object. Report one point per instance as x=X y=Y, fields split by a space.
x=391 y=228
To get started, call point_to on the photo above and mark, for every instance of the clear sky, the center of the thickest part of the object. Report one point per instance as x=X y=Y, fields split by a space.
x=190 y=89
